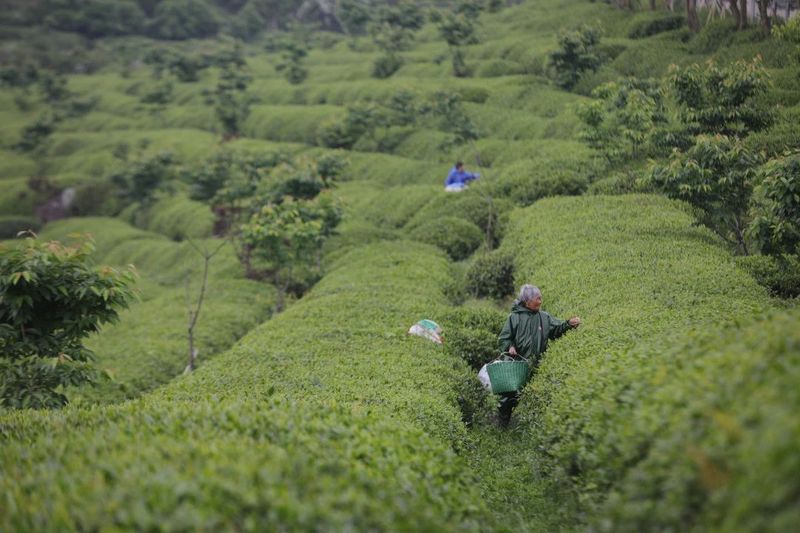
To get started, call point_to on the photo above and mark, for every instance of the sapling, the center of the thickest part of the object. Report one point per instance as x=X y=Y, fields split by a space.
x=194 y=314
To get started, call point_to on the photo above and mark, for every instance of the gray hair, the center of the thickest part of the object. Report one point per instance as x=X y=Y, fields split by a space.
x=528 y=292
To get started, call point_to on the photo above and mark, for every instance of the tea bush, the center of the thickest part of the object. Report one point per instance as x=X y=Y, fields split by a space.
x=470 y=333
x=491 y=275
x=456 y=236
x=646 y=24
x=343 y=430
x=180 y=218
x=780 y=274
x=529 y=180
x=657 y=294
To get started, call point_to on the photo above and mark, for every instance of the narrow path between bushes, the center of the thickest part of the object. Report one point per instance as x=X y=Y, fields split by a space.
x=511 y=485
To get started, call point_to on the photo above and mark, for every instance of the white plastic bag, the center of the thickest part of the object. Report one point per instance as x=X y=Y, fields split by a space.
x=483 y=377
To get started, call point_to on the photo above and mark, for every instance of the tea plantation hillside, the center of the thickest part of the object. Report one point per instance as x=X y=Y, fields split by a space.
x=673 y=406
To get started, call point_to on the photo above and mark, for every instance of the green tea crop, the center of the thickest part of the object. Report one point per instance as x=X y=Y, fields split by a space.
x=672 y=407
x=648 y=396
x=325 y=417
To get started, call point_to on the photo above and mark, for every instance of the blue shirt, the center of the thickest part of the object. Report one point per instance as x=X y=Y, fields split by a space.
x=459 y=177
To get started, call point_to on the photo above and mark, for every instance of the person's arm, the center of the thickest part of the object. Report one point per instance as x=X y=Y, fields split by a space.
x=559 y=327
x=506 y=337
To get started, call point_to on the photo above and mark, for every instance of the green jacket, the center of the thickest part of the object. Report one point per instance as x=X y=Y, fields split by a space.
x=528 y=331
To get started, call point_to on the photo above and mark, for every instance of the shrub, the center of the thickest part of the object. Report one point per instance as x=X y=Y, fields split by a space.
x=526 y=181
x=491 y=275
x=386 y=65
x=577 y=54
x=52 y=298
x=475 y=346
x=179 y=218
x=470 y=333
x=780 y=274
x=643 y=25
x=716 y=34
x=776 y=223
x=782 y=136
x=475 y=94
x=182 y=19
x=456 y=236
x=717 y=175
x=722 y=99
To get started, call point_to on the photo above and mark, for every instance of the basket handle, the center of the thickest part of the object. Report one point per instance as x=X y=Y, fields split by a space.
x=512 y=357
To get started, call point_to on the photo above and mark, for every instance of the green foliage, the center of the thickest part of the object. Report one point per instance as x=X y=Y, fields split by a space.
x=779 y=273
x=185 y=67
x=776 y=224
x=491 y=275
x=717 y=175
x=626 y=121
x=180 y=218
x=354 y=15
x=51 y=299
x=35 y=135
x=648 y=24
x=456 y=236
x=230 y=103
x=291 y=63
x=393 y=31
x=182 y=19
x=458 y=29
x=576 y=54
x=386 y=65
x=99 y=18
x=666 y=316
x=96 y=198
x=139 y=180
x=789 y=32
x=528 y=180
x=361 y=121
x=147 y=347
x=371 y=453
x=721 y=99
x=714 y=35
x=471 y=334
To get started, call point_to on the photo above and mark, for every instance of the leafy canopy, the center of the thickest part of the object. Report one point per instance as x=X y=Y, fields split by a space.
x=717 y=175
x=721 y=99
x=51 y=297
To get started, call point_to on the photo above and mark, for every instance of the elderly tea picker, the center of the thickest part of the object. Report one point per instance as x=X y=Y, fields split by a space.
x=525 y=333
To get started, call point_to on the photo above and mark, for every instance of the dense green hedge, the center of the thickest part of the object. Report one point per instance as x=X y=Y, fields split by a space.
x=326 y=417
x=639 y=412
x=180 y=218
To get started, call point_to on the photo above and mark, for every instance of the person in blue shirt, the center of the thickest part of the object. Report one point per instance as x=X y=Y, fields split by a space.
x=458 y=178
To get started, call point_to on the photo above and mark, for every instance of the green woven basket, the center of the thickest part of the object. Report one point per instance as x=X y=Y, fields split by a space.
x=507 y=376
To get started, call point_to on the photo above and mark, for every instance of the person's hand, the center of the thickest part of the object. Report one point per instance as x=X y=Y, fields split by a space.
x=512 y=350
x=574 y=321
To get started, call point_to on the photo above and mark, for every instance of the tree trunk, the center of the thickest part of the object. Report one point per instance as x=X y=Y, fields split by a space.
x=652 y=5
x=763 y=13
x=691 y=16
x=735 y=11
x=742 y=14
